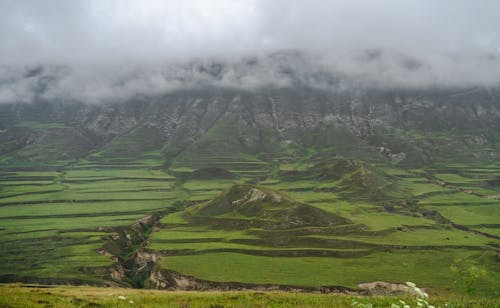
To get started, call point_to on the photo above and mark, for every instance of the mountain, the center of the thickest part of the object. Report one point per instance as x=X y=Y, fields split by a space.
x=405 y=127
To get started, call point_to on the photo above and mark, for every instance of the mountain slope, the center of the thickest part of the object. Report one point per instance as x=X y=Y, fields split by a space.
x=393 y=125
x=295 y=186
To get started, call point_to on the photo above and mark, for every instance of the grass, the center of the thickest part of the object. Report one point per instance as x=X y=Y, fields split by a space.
x=63 y=191
x=492 y=230
x=457 y=198
x=39 y=125
x=404 y=245
x=427 y=268
x=208 y=185
x=53 y=258
x=141 y=173
x=59 y=233
x=55 y=240
x=68 y=208
x=455 y=178
x=65 y=296
x=470 y=214
x=191 y=233
x=374 y=218
x=425 y=237
x=418 y=188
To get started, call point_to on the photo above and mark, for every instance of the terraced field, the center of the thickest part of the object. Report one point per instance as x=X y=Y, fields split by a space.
x=416 y=225
x=357 y=223
x=217 y=215
x=53 y=222
x=419 y=232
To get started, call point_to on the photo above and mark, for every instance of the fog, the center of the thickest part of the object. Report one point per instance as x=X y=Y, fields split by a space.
x=100 y=50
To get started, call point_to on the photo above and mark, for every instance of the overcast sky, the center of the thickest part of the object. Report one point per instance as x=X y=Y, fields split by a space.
x=109 y=30
x=451 y=41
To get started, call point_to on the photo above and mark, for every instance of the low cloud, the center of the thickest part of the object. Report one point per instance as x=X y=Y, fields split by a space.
x=367 y=69
x=106 y=50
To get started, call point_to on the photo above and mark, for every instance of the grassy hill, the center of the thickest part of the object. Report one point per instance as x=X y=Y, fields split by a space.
x=206 y=189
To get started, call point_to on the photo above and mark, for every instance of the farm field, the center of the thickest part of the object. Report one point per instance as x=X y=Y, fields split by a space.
x=55 y=224
x=139 y=212
x=374 y=244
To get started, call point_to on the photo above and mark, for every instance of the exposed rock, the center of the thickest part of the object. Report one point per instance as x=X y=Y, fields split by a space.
x=157 y=280
x=103 y=252
x=285 y=115
x=386 y=288
x=253 y=195
x=264 y=207
x=118 y=273
x=397 y=158
x=171 y=280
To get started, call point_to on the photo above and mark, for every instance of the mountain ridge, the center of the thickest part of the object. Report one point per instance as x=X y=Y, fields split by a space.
x=390 y=123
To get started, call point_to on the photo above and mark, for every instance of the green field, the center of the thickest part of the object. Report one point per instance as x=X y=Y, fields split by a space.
x=221 y=214
x=54 y=222
x=17 y=296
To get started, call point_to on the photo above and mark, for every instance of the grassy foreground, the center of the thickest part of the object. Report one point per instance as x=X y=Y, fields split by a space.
x=16 y=295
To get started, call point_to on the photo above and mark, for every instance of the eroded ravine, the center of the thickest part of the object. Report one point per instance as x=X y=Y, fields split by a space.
x=137 y=266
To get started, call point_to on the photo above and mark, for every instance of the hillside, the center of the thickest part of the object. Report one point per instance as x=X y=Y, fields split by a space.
x=227 y=188
x=195 y=127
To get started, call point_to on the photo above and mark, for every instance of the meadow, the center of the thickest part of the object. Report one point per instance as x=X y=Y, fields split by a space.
x=405 y=242
x=397 y=225
x=66 y=296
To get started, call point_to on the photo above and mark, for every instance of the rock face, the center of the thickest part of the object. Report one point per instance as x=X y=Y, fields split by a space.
x=132 y=264
x=265 y=120
x=255 y=195
x=384 y=288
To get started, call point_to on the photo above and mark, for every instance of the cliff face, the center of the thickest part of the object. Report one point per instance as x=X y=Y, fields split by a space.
x=402 y=126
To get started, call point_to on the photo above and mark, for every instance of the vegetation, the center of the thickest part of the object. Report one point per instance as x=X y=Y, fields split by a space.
x=331 y=211
x=43 y=296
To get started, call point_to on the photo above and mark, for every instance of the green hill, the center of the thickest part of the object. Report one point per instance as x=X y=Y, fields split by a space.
x=226 y=188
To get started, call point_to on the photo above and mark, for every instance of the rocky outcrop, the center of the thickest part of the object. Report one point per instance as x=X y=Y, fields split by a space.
x=387 y=288
x=171 y=280
x=125 y=248
x=255 y=194
x=263 y=118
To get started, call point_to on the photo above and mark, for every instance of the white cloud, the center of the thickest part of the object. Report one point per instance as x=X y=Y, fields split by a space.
x=115 y=48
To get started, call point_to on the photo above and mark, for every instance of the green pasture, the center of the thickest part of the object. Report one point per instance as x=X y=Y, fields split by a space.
x=52 y=222
x=17 y=296
x=426 y=268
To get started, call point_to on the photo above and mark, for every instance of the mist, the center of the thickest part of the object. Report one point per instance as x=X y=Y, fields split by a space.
x=102 y=50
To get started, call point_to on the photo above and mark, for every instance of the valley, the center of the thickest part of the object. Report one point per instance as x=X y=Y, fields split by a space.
x=222 y=197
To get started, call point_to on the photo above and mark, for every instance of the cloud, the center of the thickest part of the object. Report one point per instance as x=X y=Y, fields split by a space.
x=374 y=68
x=97 y=50
x=101 y=31
x=125 y=30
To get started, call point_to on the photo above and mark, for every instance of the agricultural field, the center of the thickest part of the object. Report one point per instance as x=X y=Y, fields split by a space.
x=53 y=222
x=218 y=216
x=384 y=240
x=333 y=223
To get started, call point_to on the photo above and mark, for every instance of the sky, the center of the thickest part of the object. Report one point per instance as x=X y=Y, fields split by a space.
x=408 y=42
